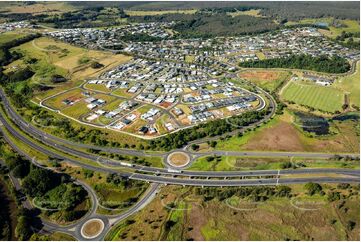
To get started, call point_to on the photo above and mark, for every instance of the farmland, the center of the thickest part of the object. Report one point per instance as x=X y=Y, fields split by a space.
x=327 y=99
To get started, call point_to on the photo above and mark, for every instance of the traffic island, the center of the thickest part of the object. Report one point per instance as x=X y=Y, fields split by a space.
x=92 y=228
x=178 y=159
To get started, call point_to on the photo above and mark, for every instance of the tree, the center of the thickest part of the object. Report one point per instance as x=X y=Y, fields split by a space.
x=323 y=63
x=313 y=188
x=21 y=170
x=39 y=181
x=96 y=65
x=283 y=191
x=333 y=196
x=23 y=228
x=350 y=225
x=213 y=143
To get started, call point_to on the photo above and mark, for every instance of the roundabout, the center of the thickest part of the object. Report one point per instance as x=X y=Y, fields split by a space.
x=178 y=159
x=92 y=228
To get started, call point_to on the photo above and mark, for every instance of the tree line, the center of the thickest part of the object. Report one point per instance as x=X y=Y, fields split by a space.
x=54 y=189
x=321 y=63
x=210 y=129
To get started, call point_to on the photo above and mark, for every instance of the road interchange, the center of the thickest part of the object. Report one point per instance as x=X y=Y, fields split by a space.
x=157 y=176
x=168 y=176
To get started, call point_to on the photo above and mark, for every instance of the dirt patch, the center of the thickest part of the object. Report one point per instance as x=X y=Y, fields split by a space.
x=92 y=228
x=178 y=159
x=261 y=75
x=282 y=137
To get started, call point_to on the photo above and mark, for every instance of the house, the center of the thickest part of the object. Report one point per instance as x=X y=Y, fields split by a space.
x=143 y=130
x=91 y=106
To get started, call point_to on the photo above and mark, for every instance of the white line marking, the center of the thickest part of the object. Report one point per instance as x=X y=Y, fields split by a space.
x=278 y=177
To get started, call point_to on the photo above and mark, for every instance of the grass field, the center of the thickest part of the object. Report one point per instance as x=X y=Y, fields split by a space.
x=351 y=25
x=56 y=57
x=38 y=8
x=268 y=80
x=97 y=87
x=160 y=123
x=252 y=12
x=9 y=36
x=327 y=99
x=281 y=134
x=122 y=92
x=194 y=218
x=229 y=163
x=351 y=84
x=56 y=102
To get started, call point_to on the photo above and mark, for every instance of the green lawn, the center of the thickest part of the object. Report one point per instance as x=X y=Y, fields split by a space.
x=327 y=99
x=97 y=87
x=351 y=85
x=10 y=36
x=230 y=163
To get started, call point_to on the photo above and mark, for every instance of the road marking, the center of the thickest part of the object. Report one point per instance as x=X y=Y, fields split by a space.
x=135 y=173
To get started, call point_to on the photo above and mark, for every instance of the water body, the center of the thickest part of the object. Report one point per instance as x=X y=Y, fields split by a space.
x=348 y=116
x=312 y=123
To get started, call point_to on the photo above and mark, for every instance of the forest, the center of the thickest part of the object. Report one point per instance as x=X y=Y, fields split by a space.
x=322 y=63
x=211 y=25
x=278 y=10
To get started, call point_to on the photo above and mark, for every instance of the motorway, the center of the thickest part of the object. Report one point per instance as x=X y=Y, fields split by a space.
x=64 y=149
x=170 y=179
x=108 y=165
x=64 y=145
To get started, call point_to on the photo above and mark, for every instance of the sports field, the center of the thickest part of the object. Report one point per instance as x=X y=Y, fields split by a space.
x=319 y=97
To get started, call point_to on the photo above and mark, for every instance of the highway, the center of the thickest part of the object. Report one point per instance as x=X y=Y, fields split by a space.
x=48 y=140
x=179 y=181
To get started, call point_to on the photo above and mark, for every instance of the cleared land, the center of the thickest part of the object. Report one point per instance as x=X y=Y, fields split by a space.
x=327 y=99
x=268 y=80
x=252 y=12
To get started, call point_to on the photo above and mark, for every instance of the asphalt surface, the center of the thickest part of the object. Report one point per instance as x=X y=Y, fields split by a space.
x=158 y=175
x=172 y=179
x=110 y=165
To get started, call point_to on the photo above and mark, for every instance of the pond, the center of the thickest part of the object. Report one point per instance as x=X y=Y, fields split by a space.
x=312 y=123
